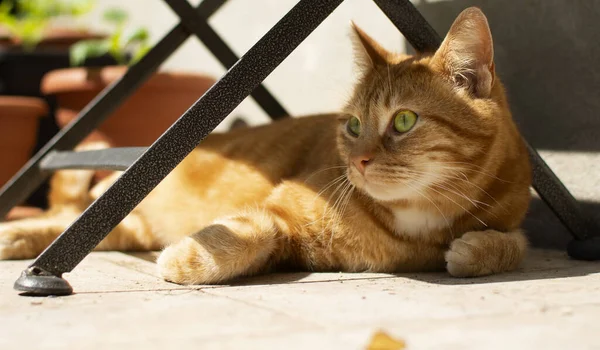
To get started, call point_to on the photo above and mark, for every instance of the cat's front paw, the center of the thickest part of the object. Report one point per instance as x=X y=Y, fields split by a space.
x=467 y=255
x=481 y=253
x=187 y=262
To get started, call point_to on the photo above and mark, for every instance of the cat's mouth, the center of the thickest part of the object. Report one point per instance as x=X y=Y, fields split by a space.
x=383 y=189
x=397 y=183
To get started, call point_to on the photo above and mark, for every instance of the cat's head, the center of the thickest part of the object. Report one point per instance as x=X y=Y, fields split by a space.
x=417 y=122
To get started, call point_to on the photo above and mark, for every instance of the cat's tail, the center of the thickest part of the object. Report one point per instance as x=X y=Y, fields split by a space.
x=71 y=187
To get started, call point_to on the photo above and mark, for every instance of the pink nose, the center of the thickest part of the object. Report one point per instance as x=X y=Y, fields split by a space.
x=361 y=162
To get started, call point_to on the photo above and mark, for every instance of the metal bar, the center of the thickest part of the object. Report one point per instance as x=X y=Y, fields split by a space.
x=417 y=31
x=105 y=159
x=182 y=137
x=423 y=38
x=558 y=198
x=216 y=45
x=208 y=7
x=31 y=176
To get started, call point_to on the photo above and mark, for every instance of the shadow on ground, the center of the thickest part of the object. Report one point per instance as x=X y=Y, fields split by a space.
x=540 y=265
x=545 y=230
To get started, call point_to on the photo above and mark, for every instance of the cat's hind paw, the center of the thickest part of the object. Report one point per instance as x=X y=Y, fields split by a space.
x=16 y=244
x=218 y=253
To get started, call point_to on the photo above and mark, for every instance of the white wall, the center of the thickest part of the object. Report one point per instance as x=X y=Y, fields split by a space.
x=316 y=78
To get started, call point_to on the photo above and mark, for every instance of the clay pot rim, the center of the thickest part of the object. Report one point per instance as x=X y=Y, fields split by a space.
x=96 y=78
x=66 y=33
x=33 y=106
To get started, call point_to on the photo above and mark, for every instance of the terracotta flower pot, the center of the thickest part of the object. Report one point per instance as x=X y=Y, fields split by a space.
x=142 y=118
x=55 y=39
x=19 y=118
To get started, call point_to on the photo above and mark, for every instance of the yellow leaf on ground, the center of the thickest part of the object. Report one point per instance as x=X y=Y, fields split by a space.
x=382 y=341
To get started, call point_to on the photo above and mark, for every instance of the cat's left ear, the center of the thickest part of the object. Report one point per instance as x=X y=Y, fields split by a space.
x=368 y=53
x=466 y=55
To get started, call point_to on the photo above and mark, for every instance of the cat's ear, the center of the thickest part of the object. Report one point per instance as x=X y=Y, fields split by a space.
x=466 y=55
x=367 y=52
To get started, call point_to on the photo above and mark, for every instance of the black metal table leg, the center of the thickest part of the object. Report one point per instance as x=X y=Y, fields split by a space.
x=213 y=42
x=409 y=21
x=32 y=175
x=423 y=37
x=174 y=145
x=586 y=245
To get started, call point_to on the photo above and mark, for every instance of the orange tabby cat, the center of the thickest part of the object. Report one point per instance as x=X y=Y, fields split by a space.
x=424 y=169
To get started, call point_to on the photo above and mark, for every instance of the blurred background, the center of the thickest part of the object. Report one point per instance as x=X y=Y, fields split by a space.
x=546 y=53
x=315 y=78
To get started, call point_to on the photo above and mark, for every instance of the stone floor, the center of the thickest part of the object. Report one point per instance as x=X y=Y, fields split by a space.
x=120 y=303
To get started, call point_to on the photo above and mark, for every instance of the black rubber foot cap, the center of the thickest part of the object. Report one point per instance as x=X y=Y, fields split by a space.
x=37 y=282
x=587 y=249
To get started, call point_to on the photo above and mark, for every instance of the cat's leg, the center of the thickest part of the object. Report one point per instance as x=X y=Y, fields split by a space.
x=68 y=197
x=27 y=238
x=481 y=253
x=237 y=246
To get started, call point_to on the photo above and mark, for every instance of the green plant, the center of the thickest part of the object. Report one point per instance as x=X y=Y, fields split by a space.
x=125 y=47
x=27 y=20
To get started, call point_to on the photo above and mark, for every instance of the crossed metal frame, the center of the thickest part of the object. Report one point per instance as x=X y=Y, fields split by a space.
x=145 y=168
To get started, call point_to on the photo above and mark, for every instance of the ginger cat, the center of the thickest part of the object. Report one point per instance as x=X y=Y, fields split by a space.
x=423 y=170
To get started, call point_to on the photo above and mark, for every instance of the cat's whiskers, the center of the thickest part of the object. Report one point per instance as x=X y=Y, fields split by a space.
x=330 y=211
x=468 y=168
x=476 y=171
x=456 y=187
x=452 y=200
x=465 y=197
x=468 y=182
x=322 y=170
x=338 y=210
x=455 y=190
x=339 y=182
x=333 y=182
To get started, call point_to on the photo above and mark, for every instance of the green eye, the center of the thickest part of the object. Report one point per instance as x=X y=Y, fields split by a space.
x=405 y=120
x=354 y=126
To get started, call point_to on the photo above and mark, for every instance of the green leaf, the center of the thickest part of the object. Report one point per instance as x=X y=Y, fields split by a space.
x=114 y=48
x=141 y=52
x=140 y=35
x=85 y=49
x=54 y=8
x=82 y=7
x=116 y=16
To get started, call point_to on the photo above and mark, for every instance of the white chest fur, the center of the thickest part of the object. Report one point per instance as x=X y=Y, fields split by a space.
x=416 y=222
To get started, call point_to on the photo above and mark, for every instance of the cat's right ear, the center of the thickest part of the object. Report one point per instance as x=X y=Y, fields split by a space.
x=467 y=54
x=367 y=52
